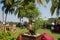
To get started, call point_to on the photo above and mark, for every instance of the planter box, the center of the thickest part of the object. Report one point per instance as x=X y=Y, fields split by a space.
x=31 y=37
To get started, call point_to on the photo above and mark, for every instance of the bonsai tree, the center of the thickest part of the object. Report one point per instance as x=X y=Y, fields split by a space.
x=30 y=12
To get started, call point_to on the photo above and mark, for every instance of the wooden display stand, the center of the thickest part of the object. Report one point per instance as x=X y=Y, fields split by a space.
x=31 y=37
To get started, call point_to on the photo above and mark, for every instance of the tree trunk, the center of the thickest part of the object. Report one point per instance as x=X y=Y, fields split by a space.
x=31 y=28
x=5 y=23
x=3 y=16
x=30 y=20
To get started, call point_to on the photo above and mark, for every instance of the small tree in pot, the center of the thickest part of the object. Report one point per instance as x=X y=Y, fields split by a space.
x=30 y=12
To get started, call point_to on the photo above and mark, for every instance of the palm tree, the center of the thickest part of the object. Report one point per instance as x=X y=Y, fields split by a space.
x=7 y=7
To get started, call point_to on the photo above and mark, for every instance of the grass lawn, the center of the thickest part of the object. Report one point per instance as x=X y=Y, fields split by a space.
x=55 y=35
x=40 y=31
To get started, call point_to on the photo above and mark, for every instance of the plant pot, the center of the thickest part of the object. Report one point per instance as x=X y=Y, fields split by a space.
x=31 y=37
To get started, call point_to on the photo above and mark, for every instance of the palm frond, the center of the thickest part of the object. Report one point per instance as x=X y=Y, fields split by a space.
x=1 y=1
x=53 y=7
x=16 y=11
x=57 y=12
x=47 y=1
x=41 y=2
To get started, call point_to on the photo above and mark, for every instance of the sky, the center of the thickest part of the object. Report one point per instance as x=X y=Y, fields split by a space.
x=45 y=13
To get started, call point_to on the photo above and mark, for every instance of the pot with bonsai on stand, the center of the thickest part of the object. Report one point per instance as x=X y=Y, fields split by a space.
x=31 y=35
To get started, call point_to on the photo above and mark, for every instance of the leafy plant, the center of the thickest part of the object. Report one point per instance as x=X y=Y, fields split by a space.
x=6 y=35
x=38 y=23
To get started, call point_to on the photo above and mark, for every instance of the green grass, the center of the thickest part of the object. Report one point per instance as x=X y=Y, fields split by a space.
x=40 y=31
x=55 y=35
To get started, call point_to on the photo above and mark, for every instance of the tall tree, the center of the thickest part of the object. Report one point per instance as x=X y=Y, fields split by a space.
x=7 y=7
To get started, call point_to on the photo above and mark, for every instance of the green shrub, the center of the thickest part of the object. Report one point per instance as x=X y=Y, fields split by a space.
x=6 y=35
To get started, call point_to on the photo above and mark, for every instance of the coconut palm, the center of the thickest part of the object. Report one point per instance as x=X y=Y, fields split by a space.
x=7 y=4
